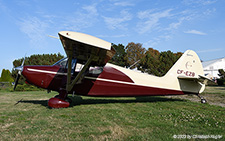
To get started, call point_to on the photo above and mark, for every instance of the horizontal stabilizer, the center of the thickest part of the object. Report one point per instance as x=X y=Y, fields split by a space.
x=200 y=78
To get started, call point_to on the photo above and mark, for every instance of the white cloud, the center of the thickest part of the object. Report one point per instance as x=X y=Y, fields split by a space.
x=150 y=20
x=210 y=50
x=4 y=10
x=209 y=12
x=199 y=2
x=35 y=29
x=176 y=24
x=155 y=41
x=113 y=36
x=195 y=32
x=81 y=19
x=118 y=22
x=124 y=3
x=91 y=9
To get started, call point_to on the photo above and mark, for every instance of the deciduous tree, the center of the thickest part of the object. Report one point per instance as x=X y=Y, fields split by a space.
x=134 y=53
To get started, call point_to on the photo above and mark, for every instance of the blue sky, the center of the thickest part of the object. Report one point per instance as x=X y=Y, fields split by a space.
x=175 y=25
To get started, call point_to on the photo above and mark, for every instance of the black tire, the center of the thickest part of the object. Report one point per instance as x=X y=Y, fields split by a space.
x=203 y=101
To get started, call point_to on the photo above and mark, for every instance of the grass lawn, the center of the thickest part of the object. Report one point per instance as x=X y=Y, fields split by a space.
x=142 y=118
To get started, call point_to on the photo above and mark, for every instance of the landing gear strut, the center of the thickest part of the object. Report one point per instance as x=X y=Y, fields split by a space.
x=202 y=99
x=60 y=101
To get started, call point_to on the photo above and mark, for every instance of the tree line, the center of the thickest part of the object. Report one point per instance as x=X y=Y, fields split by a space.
x=149 y=60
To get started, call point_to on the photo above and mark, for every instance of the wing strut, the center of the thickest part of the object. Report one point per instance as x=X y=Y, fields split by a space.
x=70 y=84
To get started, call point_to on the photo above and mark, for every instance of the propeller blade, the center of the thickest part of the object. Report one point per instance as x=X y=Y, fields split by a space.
x=24 y=60
x=19 y=69
x=17 y=79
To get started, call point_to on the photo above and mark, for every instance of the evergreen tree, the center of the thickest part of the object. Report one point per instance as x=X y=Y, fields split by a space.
x=6 y=76
x=221 y=81
x=221 y=73
x=118 y=58
x=158 y=63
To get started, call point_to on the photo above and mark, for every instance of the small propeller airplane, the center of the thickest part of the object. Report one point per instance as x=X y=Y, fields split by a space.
x=85 y=71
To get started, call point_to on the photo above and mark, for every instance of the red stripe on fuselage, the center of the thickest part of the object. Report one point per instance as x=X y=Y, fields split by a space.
x=39 y=76
x=107 y=88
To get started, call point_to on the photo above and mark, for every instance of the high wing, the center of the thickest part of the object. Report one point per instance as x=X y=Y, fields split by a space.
x=87 y=50
x=82 y=46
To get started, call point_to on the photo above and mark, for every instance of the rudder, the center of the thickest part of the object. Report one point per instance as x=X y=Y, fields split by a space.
x=187 y=72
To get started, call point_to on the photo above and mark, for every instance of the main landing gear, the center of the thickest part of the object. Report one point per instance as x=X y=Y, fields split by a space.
x=202 y=99
x=60 y=101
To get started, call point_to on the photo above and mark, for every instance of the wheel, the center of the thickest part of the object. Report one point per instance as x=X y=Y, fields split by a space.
x=203 y=101
x=67 y=99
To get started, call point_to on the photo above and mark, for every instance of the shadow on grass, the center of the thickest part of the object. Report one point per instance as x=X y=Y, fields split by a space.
x=78 y=100
x=40 y=102
x=150 y=99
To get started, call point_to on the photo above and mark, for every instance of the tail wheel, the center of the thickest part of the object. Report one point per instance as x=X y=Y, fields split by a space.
x=203 y=101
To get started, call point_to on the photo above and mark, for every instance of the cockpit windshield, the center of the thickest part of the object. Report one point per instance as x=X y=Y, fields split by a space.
x=61 y=63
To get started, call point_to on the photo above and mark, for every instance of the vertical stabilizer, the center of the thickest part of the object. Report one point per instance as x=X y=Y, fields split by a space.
x=187 y=71
x=188 y=65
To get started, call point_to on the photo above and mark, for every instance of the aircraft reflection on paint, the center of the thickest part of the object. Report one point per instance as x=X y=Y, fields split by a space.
x=85 y=71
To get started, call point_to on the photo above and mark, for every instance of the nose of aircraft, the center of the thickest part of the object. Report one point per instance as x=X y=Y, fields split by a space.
x=20 y=70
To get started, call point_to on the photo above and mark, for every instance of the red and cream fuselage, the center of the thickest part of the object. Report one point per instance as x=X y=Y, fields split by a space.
x=112 y=80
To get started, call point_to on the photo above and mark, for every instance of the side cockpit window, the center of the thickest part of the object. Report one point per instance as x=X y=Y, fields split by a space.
x=77 y=67
x=95 y=70
x=63 y=63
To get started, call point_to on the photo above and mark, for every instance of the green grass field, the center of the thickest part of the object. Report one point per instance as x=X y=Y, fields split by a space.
x=26 y=116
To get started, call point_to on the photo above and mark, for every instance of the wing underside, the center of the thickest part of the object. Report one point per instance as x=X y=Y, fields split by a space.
x=82 y=47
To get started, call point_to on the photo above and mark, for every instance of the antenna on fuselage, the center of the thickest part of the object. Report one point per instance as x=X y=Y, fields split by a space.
x=134 y=64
